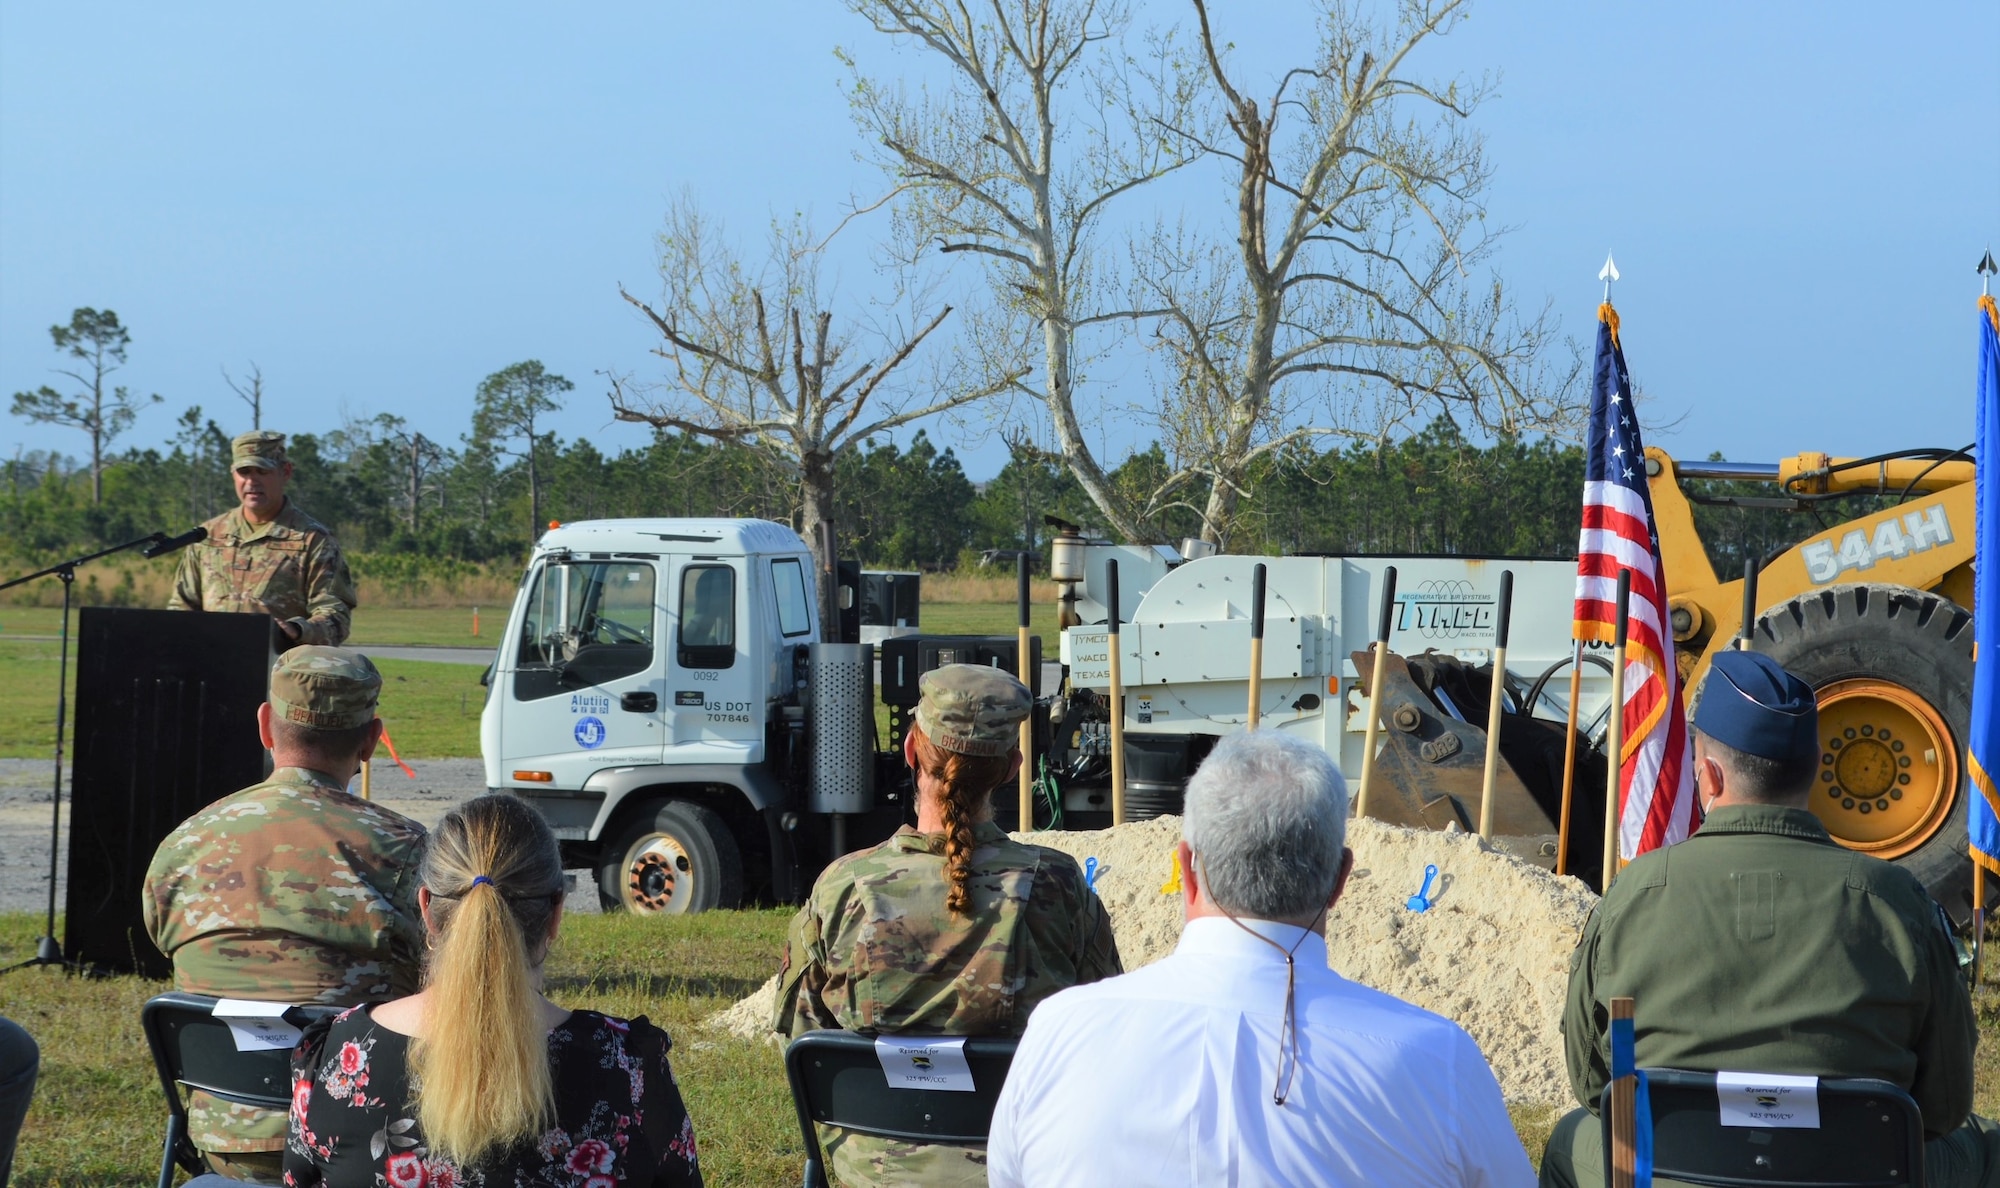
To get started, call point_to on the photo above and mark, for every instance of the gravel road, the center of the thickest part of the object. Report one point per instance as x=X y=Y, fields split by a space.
x=24 y=822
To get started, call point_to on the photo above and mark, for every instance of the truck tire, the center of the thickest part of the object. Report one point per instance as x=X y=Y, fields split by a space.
x=1892 y=667
x=676 y=857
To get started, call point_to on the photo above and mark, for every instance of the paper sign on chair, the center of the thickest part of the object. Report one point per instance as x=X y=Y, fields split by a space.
x=1768 y=1100
x=257 y=1026
x=936 y=1063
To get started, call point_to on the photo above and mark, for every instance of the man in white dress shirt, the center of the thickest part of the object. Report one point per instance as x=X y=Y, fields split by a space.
x=1242 y=1059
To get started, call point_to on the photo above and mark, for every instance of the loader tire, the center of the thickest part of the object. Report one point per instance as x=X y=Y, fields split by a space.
x=1892 y=667
x=678 y=857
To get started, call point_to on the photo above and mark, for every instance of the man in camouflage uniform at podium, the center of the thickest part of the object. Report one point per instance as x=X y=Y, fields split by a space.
x=266 y=556
x=291 y=890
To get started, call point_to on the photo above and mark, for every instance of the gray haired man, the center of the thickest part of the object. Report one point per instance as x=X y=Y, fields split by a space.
x=1242 y=1059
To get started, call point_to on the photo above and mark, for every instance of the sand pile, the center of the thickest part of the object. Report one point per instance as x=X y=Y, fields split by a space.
x=1492 y=953
x=750 y=1018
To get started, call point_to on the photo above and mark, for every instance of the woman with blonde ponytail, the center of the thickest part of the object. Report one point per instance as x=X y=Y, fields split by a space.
x=949 y=927
x=478 y=1079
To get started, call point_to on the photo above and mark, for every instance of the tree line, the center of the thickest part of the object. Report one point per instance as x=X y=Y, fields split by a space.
x=388 y=490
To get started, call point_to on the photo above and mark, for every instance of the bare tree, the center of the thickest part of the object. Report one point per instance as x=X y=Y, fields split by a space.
x=418 y=458
x=98 y=342
x=1044 y=124
x=250 y=393
x=1356 y=298
x=754 y=358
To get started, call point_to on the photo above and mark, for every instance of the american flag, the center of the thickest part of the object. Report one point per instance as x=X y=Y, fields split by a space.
x=1656 y=771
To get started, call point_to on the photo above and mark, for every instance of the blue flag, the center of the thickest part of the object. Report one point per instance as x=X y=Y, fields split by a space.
x=1983 y=749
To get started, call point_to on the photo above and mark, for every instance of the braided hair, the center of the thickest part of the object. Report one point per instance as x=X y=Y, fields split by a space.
x=965 y=793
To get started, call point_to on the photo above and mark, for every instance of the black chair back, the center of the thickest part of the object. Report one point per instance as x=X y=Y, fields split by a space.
x=1870 y=1135
x=193 y=1049
x=837 y=1080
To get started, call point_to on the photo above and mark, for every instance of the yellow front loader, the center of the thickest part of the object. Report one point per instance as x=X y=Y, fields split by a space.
x=1876 y=613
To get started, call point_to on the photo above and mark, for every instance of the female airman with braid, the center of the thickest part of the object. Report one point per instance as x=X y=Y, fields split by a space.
x=949 y=927
x=478 y=1079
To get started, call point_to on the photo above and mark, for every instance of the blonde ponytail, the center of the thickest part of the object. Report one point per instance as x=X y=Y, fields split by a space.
x=481 y=1069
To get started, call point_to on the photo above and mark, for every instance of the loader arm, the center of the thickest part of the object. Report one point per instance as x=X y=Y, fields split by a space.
x=1924 y=543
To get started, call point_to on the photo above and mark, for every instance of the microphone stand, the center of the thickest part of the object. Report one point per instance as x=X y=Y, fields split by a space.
x=47 y=951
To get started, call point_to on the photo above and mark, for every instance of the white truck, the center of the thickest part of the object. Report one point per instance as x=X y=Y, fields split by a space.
x=654 y=696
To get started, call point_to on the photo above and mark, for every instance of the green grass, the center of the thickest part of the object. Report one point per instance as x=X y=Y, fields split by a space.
x=447 y=627
x=28 y=696
x=33 y=620
x=432 y=709
x=98 y=1115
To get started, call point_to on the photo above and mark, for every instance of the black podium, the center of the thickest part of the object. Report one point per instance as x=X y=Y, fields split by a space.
x=166 y=723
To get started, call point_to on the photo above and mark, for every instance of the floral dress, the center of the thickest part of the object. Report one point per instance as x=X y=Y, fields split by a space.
x=619 y=1116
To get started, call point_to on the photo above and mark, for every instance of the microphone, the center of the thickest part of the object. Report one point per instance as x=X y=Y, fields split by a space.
x=168 y=544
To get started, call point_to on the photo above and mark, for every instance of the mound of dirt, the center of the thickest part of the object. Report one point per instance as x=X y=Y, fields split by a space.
x=1492 y=953
x=749 y=1018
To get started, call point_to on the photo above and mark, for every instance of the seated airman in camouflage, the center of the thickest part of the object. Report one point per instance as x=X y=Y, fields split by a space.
x=949 y=928
x=292 y=890
x=267 y=557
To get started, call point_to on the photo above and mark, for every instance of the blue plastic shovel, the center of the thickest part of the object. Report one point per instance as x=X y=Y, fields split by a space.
x=1421 y=902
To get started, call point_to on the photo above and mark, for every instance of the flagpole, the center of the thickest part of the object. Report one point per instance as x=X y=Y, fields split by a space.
x=1987 y=269
x=1614 y=738
x=1978 y=920
x=1569 y=757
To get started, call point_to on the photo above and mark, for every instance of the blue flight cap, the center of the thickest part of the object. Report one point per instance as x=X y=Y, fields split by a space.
x=1755 y=706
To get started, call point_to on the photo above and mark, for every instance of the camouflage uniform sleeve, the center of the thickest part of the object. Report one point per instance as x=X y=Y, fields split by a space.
x=1086 y=938
x=802 y=977
x=406 y=938
x=330 y=595
x=1099 y=945
x=187 y=582
x=150 y=907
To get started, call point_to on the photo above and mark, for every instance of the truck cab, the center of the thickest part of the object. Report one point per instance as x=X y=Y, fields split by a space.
x=646 y=697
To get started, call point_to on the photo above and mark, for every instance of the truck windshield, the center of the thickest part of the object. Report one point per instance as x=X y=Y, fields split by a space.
x=586 y=623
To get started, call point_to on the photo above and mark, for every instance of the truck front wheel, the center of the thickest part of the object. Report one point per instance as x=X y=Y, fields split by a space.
x=677 y=857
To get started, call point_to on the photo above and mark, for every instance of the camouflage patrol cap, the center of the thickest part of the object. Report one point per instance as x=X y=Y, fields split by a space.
x=973 y=709
x=324 y=688
x=262 y=449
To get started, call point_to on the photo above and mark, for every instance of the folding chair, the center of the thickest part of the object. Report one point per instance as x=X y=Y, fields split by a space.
x=193 y=1049
x=837 y=1080
x=1870 y=1135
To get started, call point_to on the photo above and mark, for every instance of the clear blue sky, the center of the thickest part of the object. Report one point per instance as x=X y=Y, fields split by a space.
x=381 y=204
